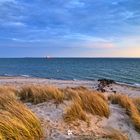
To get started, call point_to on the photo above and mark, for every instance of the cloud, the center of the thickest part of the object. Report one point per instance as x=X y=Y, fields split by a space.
x=129 y=41
x=19 y=40
x=4 y=1
x=73 y=23
x=75 y=4
x=99 y=45
x=7 y=1
x=14 y=24
x=128 y=14
x=78 y=36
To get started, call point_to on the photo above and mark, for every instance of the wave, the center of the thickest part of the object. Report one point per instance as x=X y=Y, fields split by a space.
x=12 y=75
x=129 y=84
x=24 y=75
x=7 y=75
x=137 y=85
x=74 y=79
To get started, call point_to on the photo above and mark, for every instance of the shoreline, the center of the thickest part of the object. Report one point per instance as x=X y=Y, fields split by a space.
x=135 y=85
x=112 y=88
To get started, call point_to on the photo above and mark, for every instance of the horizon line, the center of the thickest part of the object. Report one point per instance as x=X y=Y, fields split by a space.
x=66 y=57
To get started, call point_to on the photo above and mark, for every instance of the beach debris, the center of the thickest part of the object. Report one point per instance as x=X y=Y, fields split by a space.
x=104 y=83
x=69 y=132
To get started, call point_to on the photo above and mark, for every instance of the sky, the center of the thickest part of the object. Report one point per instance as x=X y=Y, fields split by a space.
x=70 y=28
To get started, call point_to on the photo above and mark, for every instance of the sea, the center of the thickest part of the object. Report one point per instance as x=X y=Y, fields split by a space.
x=121 y=70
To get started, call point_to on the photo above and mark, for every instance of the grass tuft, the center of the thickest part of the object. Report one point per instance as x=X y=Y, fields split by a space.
x=87 y=101
x=9 y=90
x=84 y=101
x=116 y=135
x=38 y=94
x=131 y=109
x=75 y=112
x=136 y=101
x=17 y=122
x=94 y=104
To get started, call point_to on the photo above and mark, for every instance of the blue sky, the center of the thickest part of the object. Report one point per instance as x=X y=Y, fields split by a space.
x=70 y=28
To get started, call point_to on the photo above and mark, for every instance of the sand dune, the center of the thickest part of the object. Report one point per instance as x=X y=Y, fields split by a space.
x=51 y=112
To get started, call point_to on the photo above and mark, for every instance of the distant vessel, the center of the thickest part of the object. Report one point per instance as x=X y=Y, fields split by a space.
x=48 y=57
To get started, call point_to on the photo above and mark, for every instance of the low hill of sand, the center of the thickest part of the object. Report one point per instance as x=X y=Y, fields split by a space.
x=117 y=125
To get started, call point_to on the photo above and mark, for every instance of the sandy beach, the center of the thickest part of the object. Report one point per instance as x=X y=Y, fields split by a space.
x=115 y=87
x=52 y=115
x=70 y=70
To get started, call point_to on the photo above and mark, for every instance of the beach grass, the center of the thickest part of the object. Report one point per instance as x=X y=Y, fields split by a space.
x=17 y=122
x=38 y=94
x=87 y=102
x=114 y=134
x=75 y=112
x=94 y=104
x=83 y=99
x=137 y=103
x=111 y=134
x=131 y=108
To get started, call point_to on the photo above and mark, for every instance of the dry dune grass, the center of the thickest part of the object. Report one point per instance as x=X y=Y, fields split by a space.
x=12 y=127
x=116 y=135
x=16 y=121
x=130 y=107
x=94 y=104
x=111 y=134
x=83 y=99
x=86 y=101
x=38 y=94
x=137 y=103
x=71 y=93
x=102 y=96
x=9 y=90
x=123 y=101
x=82 y=88
x=75 y=112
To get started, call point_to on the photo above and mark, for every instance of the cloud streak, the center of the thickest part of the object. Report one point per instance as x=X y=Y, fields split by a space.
x=4 y=1
x=75 y=23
